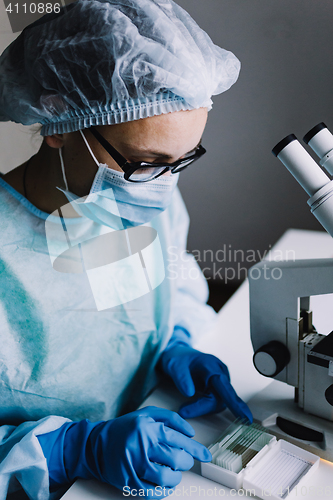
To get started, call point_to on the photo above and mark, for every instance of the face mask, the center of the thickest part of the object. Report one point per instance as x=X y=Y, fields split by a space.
x=117 y=203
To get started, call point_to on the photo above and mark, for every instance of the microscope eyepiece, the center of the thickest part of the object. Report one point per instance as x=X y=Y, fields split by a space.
x=282 y=144
x=320 y=139
x=308 y=173
x=314 y=131
x=300 y=164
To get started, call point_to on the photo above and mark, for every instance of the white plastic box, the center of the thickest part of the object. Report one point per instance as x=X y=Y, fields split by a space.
x=268 y=468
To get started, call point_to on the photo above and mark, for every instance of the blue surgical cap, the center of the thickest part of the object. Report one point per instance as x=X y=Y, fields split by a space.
x=101 y=62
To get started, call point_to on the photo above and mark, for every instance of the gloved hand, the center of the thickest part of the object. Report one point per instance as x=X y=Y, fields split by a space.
x=142 y=449
x=195 y=372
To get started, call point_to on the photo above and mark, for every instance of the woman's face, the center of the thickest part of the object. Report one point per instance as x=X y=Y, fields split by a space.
x=163 y=138
x=159 y=139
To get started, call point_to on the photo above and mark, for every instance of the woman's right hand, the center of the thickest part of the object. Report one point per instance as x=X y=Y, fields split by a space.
x=140 y=450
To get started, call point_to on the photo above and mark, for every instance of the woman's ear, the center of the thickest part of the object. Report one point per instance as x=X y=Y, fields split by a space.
x=55 y=141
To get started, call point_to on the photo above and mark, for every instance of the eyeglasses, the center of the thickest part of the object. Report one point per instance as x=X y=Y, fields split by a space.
x=141 y=171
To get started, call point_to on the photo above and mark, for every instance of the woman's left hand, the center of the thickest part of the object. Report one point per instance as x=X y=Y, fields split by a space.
x=204 y=375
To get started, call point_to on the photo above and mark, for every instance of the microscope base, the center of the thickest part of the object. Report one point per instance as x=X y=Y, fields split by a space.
x=275 y=404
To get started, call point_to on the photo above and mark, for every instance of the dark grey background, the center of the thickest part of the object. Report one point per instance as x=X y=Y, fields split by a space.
x=239 y=194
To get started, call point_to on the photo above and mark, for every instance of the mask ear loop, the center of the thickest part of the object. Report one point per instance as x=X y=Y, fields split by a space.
x=63 y=164
x=63 y=169
x=88 y=199
x=89 y=148
x=102 y=169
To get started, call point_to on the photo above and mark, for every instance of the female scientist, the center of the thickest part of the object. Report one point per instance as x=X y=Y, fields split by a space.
x=121 y=90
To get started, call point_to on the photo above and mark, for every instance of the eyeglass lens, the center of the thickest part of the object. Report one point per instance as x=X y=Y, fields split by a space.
x=146 y=174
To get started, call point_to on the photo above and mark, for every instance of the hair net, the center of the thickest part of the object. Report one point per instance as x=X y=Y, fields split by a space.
x=102 y=62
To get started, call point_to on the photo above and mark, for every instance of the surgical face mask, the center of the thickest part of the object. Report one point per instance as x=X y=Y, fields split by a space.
x=117 y=203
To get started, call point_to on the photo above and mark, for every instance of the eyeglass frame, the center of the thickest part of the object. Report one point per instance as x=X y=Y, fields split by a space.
x=129 y=168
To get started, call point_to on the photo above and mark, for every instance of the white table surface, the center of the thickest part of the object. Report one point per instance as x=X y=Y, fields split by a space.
x=230 y=341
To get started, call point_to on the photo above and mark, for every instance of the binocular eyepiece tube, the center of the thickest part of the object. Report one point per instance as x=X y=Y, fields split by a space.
x=308 y=173
x=320 y=139
x=300 y=164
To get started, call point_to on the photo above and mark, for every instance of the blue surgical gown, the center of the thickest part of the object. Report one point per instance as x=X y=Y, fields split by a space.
x=61 y=358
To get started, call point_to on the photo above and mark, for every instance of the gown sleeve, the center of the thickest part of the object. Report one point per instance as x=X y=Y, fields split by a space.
x=22 y=462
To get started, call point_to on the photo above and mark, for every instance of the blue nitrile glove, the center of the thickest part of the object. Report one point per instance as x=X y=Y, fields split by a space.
x=140 y=450
x=204 y=375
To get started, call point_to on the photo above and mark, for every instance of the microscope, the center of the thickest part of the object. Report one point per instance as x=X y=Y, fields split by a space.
x=286 y=345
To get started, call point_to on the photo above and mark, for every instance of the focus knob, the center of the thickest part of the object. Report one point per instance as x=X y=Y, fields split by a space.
x=271 y=358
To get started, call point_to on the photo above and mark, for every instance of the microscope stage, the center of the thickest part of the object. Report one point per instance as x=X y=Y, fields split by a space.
x=275 y=409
